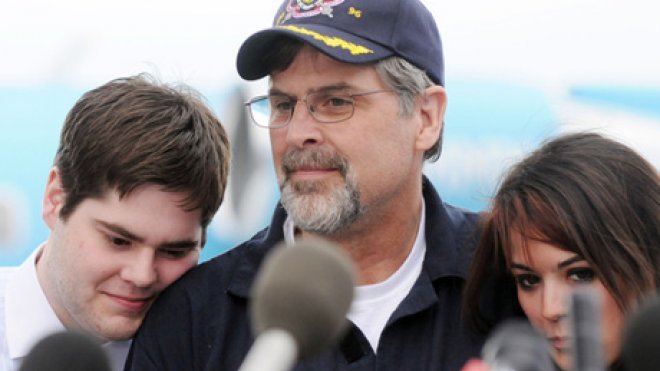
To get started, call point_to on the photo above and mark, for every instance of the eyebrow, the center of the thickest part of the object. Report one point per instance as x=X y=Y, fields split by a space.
x=569 y=261
x=521 y=267
x=560 y=265
x=180 y=244
x=337 y=86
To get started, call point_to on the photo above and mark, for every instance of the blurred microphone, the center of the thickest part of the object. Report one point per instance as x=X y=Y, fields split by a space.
x=584 y=317
x=300 y=298
x=515 y=346
x=641 y=338
x=66 y=351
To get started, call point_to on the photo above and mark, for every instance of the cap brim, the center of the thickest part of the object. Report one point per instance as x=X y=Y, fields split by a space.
x=339 y=45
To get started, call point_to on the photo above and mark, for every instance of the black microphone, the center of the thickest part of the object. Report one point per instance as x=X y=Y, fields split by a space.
x=640 y=349
x=514 y=345
x=586 y=337
x=66 y=351
x=300 y=299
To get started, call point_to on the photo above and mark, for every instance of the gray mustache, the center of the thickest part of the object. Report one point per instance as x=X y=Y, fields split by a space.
x=295 y=160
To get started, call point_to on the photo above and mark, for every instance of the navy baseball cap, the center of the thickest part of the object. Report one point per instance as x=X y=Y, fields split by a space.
x=351 y=31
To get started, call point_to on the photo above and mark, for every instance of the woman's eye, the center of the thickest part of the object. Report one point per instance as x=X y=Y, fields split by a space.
x=582 y=275
x=526 y=281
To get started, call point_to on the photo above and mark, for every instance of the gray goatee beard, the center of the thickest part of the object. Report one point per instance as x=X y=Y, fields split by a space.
x=312 y=204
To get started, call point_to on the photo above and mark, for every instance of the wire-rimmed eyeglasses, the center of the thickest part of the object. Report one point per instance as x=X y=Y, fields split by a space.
x=275 y=110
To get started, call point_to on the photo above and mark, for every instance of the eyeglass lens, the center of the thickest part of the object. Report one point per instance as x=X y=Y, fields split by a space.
x=276 y=110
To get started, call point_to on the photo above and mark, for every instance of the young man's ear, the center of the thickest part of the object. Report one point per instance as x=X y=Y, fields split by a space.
x=54 y=197
x=432 y=112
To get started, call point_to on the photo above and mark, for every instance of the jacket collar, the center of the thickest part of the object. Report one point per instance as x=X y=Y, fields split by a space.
x=448 y=229
x=450 y=236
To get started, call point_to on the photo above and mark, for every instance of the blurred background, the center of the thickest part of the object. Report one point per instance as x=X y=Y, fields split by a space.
x=517 y=72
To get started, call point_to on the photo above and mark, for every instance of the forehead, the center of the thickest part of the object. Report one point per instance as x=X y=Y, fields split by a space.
x=311 y=70
x=536 y=252
x=144 y=205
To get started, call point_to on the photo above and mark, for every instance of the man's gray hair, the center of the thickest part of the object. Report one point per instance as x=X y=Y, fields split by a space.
x=408 y=82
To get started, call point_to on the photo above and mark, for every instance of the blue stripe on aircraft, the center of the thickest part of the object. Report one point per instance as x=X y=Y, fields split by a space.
x=498 y=109
x=639 y=100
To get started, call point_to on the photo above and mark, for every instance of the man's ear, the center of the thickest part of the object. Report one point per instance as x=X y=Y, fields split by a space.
x=432 y=114
x=54 y=197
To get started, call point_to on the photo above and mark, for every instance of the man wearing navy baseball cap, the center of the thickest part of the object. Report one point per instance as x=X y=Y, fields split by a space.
x=355 y=106
x=350 y=31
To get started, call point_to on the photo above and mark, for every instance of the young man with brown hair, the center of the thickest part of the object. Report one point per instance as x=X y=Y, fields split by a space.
x=140 y=171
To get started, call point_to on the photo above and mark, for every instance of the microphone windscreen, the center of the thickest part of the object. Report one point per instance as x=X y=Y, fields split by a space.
x=514 y=345
x=66 y=351
x=640 y=348
x=587 y=344
x=306 y=290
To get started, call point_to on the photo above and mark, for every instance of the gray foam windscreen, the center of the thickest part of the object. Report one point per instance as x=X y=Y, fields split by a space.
x=641 y=338
x=514 y=345
x=587 y=338
x=305 y=289
x=66 y=351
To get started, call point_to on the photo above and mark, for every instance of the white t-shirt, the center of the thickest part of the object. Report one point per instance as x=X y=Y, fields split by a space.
x=373 y=305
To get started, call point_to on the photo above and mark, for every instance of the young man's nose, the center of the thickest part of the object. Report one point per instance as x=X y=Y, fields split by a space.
x=141 y=270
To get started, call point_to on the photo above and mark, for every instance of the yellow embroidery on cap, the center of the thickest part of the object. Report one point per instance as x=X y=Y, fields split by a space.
x=333 y=42
x=356 y=13
x=280 y=18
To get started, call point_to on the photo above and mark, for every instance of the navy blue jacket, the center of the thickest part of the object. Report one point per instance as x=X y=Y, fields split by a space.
x=201 y=322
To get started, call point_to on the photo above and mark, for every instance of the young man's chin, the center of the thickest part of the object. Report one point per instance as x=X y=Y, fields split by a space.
x=120 y=328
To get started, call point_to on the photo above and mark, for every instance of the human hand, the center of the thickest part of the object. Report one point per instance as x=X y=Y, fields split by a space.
x=475 y=365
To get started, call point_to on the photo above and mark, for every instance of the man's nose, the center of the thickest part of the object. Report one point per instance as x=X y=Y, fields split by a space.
x=141 y=270
x=303 y=129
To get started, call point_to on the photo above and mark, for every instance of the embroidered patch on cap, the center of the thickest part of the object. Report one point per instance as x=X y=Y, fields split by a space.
x=310 y=8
